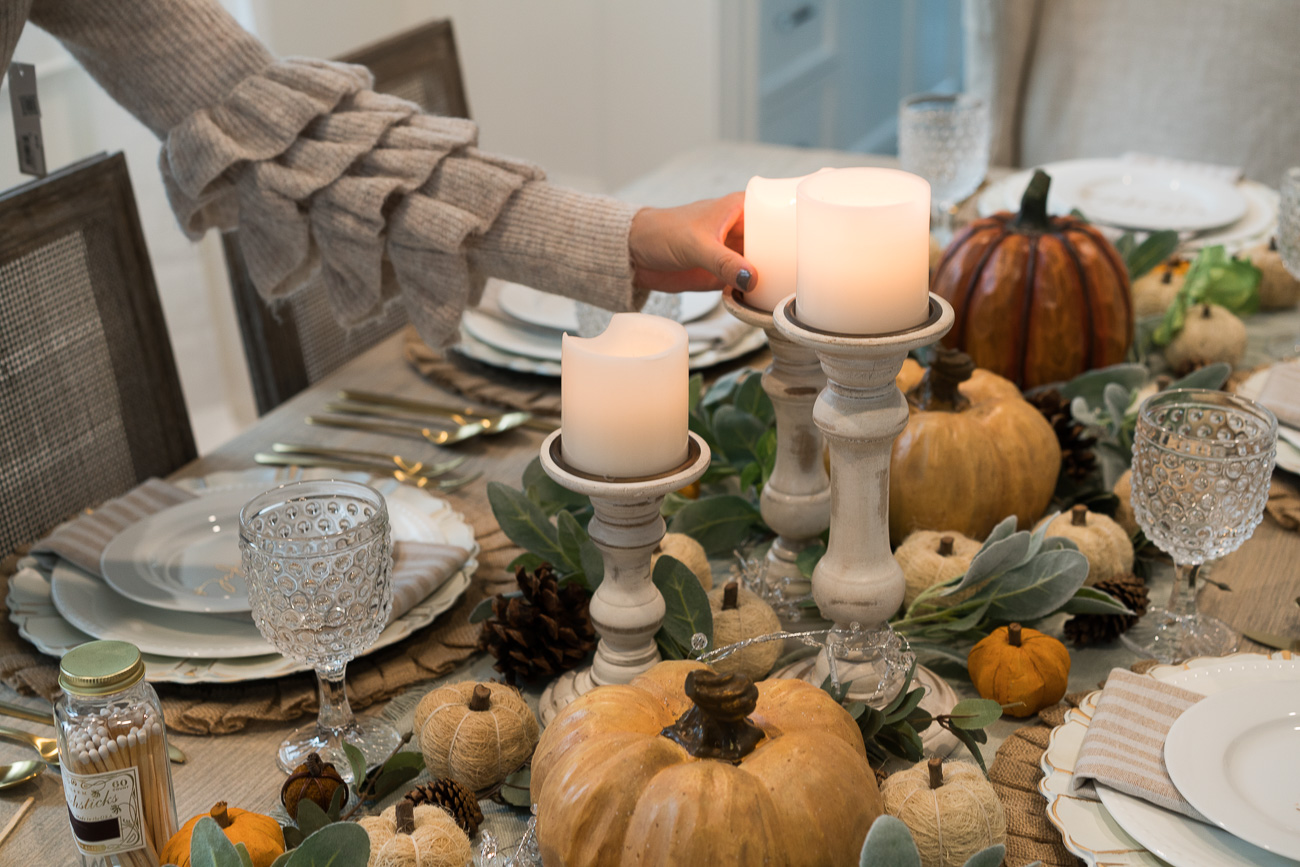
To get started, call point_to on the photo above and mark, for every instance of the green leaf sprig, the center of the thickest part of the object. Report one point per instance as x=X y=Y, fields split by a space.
x=890 y=842
x=1214 y=278
x=341 y=844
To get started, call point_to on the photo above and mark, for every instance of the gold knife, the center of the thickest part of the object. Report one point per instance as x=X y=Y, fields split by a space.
x=1269 y=639
x=18 y=711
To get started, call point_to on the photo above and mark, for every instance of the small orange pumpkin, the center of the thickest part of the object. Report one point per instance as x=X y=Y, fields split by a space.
x=261 y=836
x=1020 y=667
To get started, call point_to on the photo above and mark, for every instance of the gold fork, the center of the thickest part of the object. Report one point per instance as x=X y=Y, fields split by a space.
x=490 y=424
x=387 y=461
x=276 y=459
x=437 y=410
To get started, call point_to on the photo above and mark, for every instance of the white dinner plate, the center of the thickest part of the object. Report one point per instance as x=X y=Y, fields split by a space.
x=1235 y=757
x=1255 y=226
x=1130 y=837
x=1149 y=198
x=472 y=347
x=557 y=313
x=32 y=610
x=533 y=342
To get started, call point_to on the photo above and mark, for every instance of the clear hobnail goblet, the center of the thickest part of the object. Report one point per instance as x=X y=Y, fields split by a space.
x=1202 y=462
x=317 y=557
x=944 y=138
x=593 y=320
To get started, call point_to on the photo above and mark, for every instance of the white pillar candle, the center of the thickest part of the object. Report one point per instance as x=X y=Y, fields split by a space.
x=770 y=238
x=623 y=398
x=863 y=251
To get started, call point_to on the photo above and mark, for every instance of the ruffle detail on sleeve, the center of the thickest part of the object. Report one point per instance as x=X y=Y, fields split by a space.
x=334 y=184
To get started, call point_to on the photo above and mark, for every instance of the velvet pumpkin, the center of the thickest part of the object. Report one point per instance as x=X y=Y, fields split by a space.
x=1022 y=669
x=261 y=836
x=768 y=773
x=974 y=451
x=1037 y=299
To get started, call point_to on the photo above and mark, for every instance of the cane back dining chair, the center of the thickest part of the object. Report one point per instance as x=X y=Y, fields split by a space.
x=91 y=399
x=298 y=342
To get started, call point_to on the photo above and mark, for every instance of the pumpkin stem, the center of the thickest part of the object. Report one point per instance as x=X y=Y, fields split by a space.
x=1205 y=311
x=219 y=813
x=481 y=699
x=716 y=727
x=1272 y=244
x=1013 y=635
x=315 y=767
x=936 y=772
x=731 y=596
x=945 y=546
x=937 y=390
x=1033 y=205
x=1079 y=516
x=404 y=821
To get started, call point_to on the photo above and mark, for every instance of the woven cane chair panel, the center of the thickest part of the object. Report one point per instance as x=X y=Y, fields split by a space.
x=326 y=345
x=92 y=403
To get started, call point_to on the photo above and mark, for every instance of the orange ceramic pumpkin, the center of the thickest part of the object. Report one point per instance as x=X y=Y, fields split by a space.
x=1037 y=299
x=768 y=773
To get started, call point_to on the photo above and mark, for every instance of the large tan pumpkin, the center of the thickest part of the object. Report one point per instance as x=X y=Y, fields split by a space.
x=974 y=452
x=613 y=790
x=1037 y=299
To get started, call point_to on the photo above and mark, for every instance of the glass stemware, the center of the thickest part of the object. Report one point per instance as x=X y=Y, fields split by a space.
x=1202 y=461
x=1288 y=221
x=317 y=557
x=593 y=320
x=944 y=138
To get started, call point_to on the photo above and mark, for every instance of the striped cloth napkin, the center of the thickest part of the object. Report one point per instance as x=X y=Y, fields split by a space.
x=1125 y=744
x=419 y=568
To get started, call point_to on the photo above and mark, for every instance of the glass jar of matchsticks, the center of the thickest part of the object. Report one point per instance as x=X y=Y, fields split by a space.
x=113 y=748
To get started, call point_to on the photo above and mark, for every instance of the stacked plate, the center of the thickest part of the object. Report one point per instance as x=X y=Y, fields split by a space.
x=171 y=583
x=519 y=328
x=1204 y=206
x=1235 y=756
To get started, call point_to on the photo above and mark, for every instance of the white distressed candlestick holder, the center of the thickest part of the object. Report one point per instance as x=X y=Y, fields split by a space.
x=796 y=501
x=627 y=609
x=858 y=584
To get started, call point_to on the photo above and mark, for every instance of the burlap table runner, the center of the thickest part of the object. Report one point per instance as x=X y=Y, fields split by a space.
x=222 y=709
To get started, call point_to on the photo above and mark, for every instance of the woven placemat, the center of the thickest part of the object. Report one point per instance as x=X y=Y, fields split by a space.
x=1015 y=774
x=218 y=709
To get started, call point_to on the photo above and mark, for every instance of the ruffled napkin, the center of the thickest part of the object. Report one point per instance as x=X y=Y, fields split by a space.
x=719 y=329
x=1281 y=393
x=419 y=568
x=1125 y=744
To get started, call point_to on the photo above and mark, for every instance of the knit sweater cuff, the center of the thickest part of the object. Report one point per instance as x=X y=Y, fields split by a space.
x=330 y=181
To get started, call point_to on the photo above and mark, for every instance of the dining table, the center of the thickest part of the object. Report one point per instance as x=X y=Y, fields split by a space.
x=240 y=767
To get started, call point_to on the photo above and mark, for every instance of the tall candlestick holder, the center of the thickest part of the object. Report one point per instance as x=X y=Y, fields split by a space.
x=858 y=584
x=796 y=501
x=627 y=609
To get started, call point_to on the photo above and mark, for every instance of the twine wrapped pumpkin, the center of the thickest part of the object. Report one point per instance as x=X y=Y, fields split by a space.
x=739 y=614
x=1101 y=539
x=1210 y=334
x=930 y=557
x=951 y=810
x=423 y=836
x=476 y=733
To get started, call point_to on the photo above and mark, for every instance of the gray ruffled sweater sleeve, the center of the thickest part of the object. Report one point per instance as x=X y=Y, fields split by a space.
x=333 y=186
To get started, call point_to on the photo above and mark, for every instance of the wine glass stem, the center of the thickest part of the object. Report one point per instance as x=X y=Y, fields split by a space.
x=1182 y=601
x=943 y=222
x=335 y=712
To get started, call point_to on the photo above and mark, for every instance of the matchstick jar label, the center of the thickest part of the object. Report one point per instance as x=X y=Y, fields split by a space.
x=104 y=811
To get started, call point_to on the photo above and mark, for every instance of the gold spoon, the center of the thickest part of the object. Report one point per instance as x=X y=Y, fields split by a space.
x=20 y=772
x=15 y=710
x=47 y=747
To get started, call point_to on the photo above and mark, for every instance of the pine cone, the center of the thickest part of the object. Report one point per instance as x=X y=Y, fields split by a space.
x=542 y=634
x=458 y=801
x=1078 y=460
x=1087 y=629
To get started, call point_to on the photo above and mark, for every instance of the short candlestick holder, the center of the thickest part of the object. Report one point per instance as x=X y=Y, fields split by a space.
x=796 y=501
x=858 y=584
x=627 y=609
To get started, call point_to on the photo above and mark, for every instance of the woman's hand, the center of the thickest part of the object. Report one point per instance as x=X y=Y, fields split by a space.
x=692 y=248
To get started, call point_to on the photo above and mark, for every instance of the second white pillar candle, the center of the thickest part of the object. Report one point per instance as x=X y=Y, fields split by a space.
x=624 y=398
x=863 y=251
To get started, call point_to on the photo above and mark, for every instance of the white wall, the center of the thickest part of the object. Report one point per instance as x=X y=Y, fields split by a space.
x=595 y=92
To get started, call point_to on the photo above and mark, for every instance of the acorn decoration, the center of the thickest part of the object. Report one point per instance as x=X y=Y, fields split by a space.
x=543 y=634
x=458 y=801
x=1084 y=630
x=314 y=780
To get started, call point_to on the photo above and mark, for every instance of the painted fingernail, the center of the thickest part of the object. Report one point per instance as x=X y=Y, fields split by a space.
x=742 y=279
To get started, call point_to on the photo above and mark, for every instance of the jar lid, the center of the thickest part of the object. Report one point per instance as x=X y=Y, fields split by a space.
x=100 y=668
